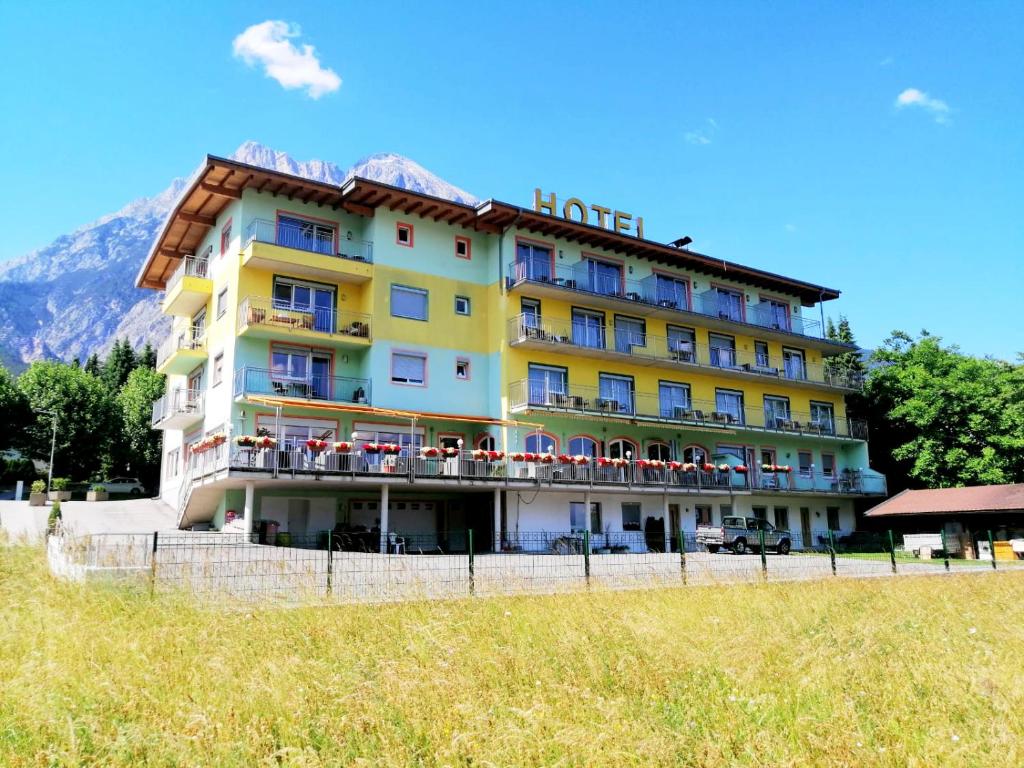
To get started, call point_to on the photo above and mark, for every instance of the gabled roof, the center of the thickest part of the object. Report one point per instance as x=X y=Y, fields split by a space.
x=943 y=501
x=220 y=181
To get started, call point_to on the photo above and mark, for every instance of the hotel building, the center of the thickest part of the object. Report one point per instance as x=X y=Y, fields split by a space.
x=365 y=314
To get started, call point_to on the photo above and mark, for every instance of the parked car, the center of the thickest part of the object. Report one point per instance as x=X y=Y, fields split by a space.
x=124 y=485
x=740 y=534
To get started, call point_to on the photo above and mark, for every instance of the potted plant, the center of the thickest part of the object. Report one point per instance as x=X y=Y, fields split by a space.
x=391 y=449
x=740 y=469
x=429 y=452
x=371 y=448
x=343 y=447
x=37 y=496
x=245 y=441
x=97 y=493
x=723 y=467
x=546 y=458
x=59 y=489
x=265 y=441
x=316 y=446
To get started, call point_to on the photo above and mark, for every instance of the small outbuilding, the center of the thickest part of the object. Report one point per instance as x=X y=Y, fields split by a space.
x=965 y=515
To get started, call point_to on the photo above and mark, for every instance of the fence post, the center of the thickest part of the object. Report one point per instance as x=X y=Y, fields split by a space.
x=832 y=550
x=586 y=555
x=472 y=565
x=992 y=550
x=330 y=561
x=152 y=566
x=682 y=553
x=764 y=556
x=945 y=550
x=892 y=551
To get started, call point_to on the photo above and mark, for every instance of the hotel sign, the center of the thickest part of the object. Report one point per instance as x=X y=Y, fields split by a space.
x=575 y=209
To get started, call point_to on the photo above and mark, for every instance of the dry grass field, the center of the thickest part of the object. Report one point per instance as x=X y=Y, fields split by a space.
x=915 y=671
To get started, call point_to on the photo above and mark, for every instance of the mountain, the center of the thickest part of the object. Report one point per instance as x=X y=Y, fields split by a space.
x=77 y=294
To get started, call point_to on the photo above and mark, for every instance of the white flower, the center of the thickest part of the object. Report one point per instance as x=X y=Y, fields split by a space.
x=955 y=737
x=972 y=630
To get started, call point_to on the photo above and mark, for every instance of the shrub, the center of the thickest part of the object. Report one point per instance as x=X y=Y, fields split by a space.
x=98 y=488
x=60 y=484
x=38 y=486
x=12 y=470
x=55 y=516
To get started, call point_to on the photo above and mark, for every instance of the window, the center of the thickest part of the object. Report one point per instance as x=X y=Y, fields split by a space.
x=225 y=238
x=588 y=329
x=222 y=303
x=461 y=305
x=682 y=344
x=673 y=400
x=694 y=454
x=767 y=455
x=617 y=449
x=725 y=510
x=793 y=364
x=462 y=369
x=776 y=412
x=408 y=368
x=729 y=406
x=782 y=518
x=404 y=234
x=630 y=516
x=761 y=513
x=410 y=303
x=832 y=513
x=735 y=451
x=218 y=369
x=289 y=364
x=723 y=350
x=308 y=298
x=172 y=463
x=828 y=465
x=578 y=520
x=804 y=462
x=778 y=314
x=542 y=443
x=823 y=417
x=583 y=446
x=305 y=235
x=463 y=247
x=534 y=262
x=728 y=304
x=603 y=278
x=703 y=514
x=761 y=359
x=547 y=384
x=531 y=313
x=659 y=452
x=670 y=292
x=615 y=393
x=629 y=333
x=486 y=443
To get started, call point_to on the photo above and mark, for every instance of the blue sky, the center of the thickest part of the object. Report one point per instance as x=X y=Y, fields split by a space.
x=771 y=134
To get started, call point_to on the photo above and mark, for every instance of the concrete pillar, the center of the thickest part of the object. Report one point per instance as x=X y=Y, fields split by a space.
x=497 y=519
x=249 y=509
x=669 y=533
x=586 y=510
x=383 y=519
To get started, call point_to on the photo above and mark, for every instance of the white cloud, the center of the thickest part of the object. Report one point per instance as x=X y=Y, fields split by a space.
x=912 y=97
x=702 y=135
x=269 y=44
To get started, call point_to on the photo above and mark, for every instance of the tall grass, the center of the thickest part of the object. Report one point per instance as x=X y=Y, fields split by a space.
x=908 y=671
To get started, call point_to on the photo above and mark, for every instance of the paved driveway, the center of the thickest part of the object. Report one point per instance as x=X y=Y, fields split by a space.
x=20 y=521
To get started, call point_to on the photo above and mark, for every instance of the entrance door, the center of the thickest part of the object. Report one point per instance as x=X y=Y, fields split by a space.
x=805 y=527
x=617 y=449
x=703 y=512
x=321 y=377
x=674 y=526
x=298 y=517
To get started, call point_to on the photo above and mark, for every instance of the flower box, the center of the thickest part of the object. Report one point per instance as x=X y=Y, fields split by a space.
x=689 y=466
x=481 y=455
x=740 y=469
x=343 y=447
x=545 y=458
x=97 y=496
x=37 y=499
x=245 y=441
x=265 y=442
x=580 y=460
x=428 y=452
x=723 y=467
x=564 y=458
x=390 y=449
x=60 y=495
x=675 y=466
x=651 y=464
x=707 y=467
x=450 y=453
x=316 y=446
x=371 y=448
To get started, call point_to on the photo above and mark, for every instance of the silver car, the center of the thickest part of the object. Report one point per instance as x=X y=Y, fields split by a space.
x=741 y=535
x=130 y=485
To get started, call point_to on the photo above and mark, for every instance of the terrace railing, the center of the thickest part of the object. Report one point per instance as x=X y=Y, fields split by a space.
x=310 y=237
x=191 y=338
x=251 y=380
x=191 y=266
x=179 y=401
x=268 y=313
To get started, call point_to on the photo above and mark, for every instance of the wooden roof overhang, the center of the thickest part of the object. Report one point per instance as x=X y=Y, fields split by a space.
x=219 y=181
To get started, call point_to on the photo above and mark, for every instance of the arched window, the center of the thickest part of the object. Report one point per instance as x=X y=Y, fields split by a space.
x=541 y=444
x=659 y=451
x=619 y=447
x=582 y=445
x=486 y=443
x=695 y=454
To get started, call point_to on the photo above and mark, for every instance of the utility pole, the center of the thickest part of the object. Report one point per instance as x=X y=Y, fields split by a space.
x=53 y=445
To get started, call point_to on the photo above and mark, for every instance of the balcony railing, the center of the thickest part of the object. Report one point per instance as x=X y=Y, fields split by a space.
x=191 y=266
x=294 y=460
x=676 y=408
x=192 y=338
x=308 y=237
x=578 y=277
x=178 y=402
x=269 y=313
x=587 y=338
x=333 y=389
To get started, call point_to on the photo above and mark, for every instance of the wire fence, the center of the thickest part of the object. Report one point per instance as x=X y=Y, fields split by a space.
x=370 y=566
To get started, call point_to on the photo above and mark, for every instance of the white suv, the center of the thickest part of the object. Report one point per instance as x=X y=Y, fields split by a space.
x=124 y=485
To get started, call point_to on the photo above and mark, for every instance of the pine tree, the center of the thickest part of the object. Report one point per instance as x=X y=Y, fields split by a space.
x=119 y=365
x=148 y=357
x=847 y=367
x=92 y=365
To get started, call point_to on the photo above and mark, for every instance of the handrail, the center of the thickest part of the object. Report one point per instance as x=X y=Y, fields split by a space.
x=313 y=237
x=260 y=311
x=192 y=337
x=250 y=380
x=177 y=401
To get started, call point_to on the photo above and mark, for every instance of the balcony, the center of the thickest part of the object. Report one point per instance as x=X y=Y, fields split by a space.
x=606 y=342
x=327 y=389
x=308 y=250
x=189 y=288
x=178 y=409
x=527 y=396
x=645 y=298
x=182 y=351
x=268 y=319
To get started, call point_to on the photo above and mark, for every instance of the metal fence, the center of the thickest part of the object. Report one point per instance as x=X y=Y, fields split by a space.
x=370 y=566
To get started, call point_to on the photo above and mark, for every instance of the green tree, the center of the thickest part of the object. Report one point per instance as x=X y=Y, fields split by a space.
x=941 y=418
x=88 y=423
x=92 y=365
x=141 y=442
x=14 y=412
x=119 y=364
x=848 y=366
x=147 y=359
